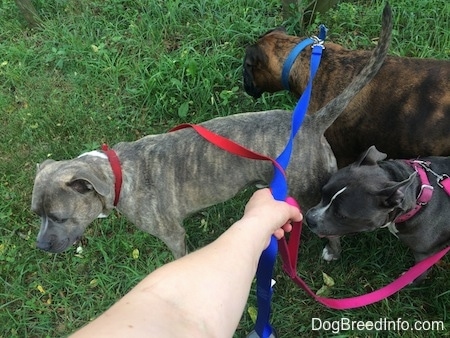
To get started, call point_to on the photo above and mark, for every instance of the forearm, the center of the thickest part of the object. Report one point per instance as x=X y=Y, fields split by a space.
x=212 y=285
x=205 y=292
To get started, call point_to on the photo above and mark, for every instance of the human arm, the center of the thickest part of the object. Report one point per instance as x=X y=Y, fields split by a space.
x=204 y=293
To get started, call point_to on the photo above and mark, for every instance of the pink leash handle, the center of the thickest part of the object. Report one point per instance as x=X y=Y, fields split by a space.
x=289 y=252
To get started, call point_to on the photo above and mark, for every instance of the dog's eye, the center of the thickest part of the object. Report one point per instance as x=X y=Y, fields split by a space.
x=337 y=214
x=57 y=219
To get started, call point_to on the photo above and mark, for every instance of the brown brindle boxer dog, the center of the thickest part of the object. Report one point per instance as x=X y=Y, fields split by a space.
x=404 y=110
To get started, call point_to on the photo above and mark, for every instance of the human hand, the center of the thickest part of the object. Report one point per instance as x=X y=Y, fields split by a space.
x=275 y=215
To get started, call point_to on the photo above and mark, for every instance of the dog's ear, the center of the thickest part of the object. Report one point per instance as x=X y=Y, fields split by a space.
x=370 y=157
x=277 y=29
x=392 y=196
x=254 y=56
x=41 y=166
x=85 y=181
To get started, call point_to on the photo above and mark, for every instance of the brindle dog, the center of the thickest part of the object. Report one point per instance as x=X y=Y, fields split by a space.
x=404 y=110
x=167 y=177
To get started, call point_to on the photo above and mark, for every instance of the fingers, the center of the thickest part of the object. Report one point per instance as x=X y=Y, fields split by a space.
x=279 y=233
x=295 y=214
x=276 y=214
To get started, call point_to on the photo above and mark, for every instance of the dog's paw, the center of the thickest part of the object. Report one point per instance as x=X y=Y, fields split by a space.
x=328 y=254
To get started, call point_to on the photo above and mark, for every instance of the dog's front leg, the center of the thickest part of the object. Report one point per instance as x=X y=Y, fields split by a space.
x=170 y=231
x=175 y=239
x=420 y=257
x=332 y=250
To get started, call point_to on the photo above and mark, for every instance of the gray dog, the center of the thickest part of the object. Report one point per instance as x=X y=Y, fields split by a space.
x=371 y=194
x=170 y=176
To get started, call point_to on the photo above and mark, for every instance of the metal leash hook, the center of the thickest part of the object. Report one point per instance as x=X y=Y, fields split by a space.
x=323 y=30
x=320 y=40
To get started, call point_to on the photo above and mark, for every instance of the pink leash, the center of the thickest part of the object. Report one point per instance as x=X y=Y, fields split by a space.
x=289 y=252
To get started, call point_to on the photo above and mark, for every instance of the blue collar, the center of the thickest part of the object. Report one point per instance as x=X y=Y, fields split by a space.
x=297 y=50
x=291 y=59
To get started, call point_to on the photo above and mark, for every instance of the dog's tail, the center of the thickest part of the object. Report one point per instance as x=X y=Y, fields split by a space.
x=330 y=112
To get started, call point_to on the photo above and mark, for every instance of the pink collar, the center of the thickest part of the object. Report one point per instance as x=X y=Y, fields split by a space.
x=117 y=171
x=425 y=193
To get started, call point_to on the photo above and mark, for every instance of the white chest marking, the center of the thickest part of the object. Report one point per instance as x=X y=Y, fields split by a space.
x=95 y=153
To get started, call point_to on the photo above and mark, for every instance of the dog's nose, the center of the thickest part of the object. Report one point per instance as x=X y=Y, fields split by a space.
x=310 y=220
x=48 y=243
x=44 y=245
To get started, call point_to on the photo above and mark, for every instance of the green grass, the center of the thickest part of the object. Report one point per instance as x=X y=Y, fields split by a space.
x=118 y=70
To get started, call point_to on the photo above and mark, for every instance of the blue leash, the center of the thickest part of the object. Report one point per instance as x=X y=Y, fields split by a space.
x=279 y=187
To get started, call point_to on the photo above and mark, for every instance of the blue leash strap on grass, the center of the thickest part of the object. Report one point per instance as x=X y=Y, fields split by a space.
x=264 y=289
x=279 y=191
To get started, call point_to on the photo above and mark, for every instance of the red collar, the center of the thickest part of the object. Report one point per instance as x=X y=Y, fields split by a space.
x=425 y=193
x=117 y=170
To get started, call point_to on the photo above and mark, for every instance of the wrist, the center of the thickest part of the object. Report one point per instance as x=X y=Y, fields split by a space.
x=255 y=230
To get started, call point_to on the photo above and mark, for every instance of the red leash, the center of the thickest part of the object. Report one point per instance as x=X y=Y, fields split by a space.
x=226 y=144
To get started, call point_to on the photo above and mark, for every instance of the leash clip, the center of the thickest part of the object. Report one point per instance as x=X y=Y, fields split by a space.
x=317 y=42
x=440 y=179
